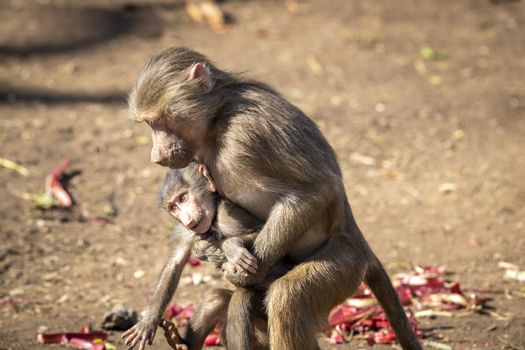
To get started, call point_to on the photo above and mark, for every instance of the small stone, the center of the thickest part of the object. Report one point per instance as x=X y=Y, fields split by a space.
x=196 y=278
x=447 y=187
x=62 y=299
x=139 y=274
x=357 y=157
x=380 y=107
x=16 y=292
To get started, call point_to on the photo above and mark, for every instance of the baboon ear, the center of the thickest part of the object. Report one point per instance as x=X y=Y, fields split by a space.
x=203 y=169
x=201 y=72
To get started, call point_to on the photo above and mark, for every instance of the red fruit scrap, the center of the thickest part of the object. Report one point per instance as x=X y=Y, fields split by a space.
x=180 y=315
x=213 y=339
x=194 y=262
x=381 y=337
x=49 y=338
x=424 y=288
x=54 y=187
x=84 y=344
x=11 y=301
x=336 y=337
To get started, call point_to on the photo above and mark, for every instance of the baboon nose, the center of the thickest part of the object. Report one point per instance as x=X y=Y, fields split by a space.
x=156 y=160
x=156 y=156
x=189 y=223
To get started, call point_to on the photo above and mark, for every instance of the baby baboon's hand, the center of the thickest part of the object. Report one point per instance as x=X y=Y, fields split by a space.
x=142 y=332
x=241 y=259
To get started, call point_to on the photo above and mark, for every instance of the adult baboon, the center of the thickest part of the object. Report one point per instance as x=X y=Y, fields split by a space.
x=267 y=157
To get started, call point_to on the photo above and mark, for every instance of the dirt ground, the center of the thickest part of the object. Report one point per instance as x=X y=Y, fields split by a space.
x=423 y=101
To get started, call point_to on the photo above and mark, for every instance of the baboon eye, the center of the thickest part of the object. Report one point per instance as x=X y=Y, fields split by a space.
x=183 y=198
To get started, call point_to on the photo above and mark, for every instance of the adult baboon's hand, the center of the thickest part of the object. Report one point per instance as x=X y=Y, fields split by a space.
x=241 y=280
x=243 y=261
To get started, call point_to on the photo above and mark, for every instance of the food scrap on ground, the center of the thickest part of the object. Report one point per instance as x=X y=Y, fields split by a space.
x=11 y=301
x=207 y=11
x=86 y=339
x=423 y=292
x=512 y=271
x=55 y=194
x=54 y=186
x=9 y=164
x=180 y=316
x=193 y=261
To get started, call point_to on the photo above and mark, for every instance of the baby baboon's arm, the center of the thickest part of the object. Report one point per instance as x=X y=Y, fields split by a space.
x=144 y=331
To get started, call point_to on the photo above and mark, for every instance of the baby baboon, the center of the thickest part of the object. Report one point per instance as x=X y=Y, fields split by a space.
x=221 y=232
x=269 y=158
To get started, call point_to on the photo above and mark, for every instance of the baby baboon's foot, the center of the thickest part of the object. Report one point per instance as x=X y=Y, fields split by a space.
x=172 y=335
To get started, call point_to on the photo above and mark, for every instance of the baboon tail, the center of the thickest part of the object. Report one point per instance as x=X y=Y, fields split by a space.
x=379 y=282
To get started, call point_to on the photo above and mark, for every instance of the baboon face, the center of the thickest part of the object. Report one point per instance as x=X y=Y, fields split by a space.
x=173 y=95
x=188 y=194
x=192 y=209
x=174 y=142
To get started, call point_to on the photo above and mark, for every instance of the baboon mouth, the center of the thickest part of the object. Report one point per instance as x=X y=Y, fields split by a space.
x=194 y=226
x=178 y=162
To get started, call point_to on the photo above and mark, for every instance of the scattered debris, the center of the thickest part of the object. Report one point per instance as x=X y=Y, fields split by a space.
x=447 y=187
x=424 y=290
x=55 y=188
x=194 y=261
x=86 y=339
x=55 y=195
x=119 y=318
x=85 y=344
x=207 y=11
x=507 y=266
x=45 y=201
x=11 y=301
x=512 y=271
x=433 y=313
x=439 y=346
x=196 y=278
x=214 y=338
x=314 y=65
x=359 y=158
x=107 y=345
x=361 y=317
x=101 y=221
x=139 y=274
x=9 y=164
x=380 y=107
x=293 y=6
x=515 y=275
x=62 y=299
x=180 y=316
x=434 y=80
x=428 y=53
x=491 y=328
x=458 y=134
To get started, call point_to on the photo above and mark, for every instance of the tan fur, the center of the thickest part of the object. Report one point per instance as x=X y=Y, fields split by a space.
x=270 y=159
x=211 y=310
x=232 y=222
